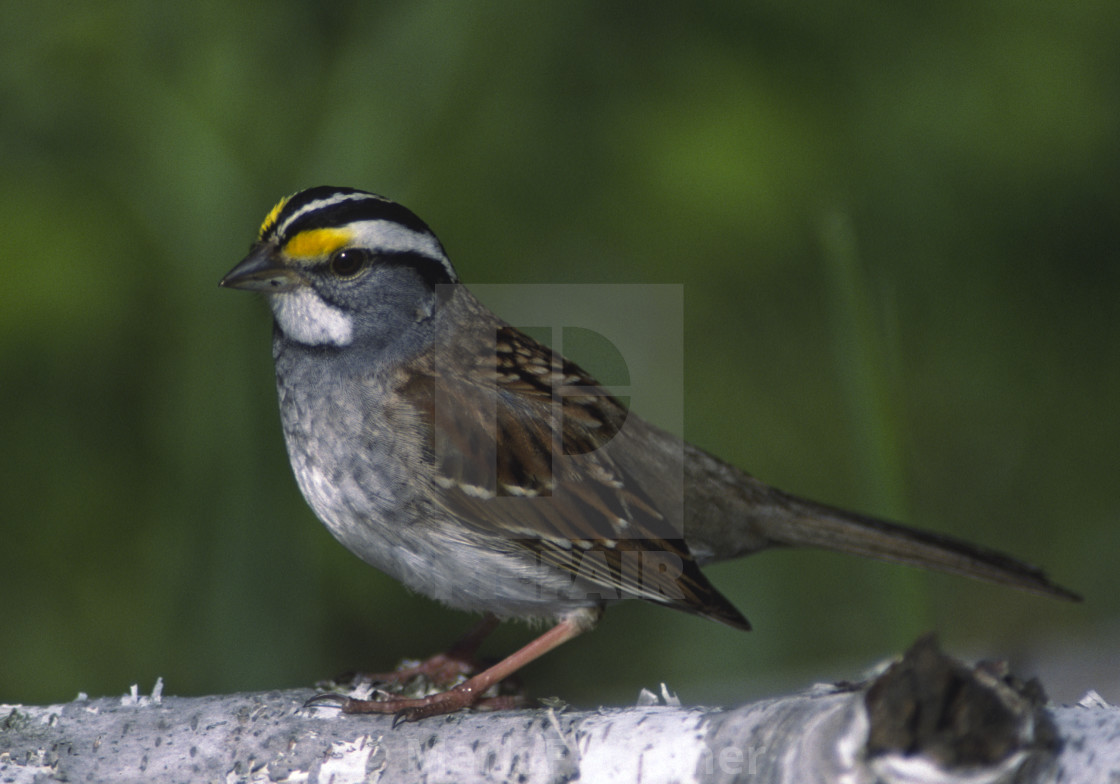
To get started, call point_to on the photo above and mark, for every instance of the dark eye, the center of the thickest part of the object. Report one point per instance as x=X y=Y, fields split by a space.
x=349 y=262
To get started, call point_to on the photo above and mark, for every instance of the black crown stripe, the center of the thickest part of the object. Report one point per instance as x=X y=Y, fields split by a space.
x=433 y=271
x=343 y=212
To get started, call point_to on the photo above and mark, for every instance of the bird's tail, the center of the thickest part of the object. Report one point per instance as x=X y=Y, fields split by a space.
x=806 y=523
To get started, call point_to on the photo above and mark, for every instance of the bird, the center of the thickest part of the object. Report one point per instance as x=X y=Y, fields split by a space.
x=482 y=469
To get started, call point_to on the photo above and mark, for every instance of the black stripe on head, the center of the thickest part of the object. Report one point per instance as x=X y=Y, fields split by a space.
x=432 y=272
x=338 y=210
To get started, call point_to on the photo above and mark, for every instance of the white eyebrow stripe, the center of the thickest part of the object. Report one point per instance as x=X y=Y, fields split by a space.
x=388 y=236
x=319 y=204
x=391 y=237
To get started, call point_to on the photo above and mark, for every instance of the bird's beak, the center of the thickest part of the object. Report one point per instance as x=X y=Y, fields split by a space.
x=260 y=271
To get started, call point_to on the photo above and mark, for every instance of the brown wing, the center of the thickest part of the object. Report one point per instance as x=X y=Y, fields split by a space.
x=521 y=442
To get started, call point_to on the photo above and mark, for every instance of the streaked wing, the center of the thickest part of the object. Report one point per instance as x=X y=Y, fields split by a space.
x=520 y=443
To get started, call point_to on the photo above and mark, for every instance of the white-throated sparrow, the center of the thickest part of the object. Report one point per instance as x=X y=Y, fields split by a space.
x=480 y=468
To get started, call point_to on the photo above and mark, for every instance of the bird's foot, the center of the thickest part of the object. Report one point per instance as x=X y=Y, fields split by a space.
x=413 y=709
x=479 y=690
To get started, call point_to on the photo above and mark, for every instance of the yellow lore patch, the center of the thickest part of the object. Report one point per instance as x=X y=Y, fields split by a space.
x=315 y=243
x=270 y=219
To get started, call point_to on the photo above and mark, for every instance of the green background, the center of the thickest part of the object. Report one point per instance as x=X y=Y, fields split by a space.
x=895 y=224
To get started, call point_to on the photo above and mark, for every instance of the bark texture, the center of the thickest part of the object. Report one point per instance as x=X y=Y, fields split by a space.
x=927 y=718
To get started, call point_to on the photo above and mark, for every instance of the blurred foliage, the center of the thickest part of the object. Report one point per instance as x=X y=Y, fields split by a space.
x=896 y=226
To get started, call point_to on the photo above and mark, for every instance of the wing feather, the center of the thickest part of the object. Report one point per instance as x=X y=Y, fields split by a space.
x=521 y=446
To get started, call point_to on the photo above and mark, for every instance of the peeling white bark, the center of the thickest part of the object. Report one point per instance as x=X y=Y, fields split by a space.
x=819 y=735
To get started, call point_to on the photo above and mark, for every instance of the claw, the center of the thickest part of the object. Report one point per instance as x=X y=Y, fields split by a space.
x=341 y=699
x=472 y=692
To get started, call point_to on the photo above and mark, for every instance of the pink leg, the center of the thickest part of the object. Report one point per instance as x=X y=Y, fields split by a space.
x=467 y=693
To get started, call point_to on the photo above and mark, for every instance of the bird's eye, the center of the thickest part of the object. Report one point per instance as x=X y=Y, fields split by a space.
x=349 y=262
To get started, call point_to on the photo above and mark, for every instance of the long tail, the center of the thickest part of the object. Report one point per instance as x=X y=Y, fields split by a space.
x=809 y=524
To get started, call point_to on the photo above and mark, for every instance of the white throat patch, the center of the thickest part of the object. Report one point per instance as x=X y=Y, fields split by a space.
x=305 y=318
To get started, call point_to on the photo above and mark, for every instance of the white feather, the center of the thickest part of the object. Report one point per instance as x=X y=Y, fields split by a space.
x=306 y=318
x=387 y=236
x=319 y=204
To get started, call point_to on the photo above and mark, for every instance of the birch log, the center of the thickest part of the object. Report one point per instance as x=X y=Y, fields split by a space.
x=926 y=718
